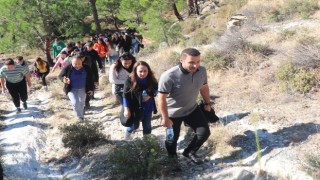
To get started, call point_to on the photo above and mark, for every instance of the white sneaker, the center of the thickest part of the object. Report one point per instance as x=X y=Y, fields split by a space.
x=127 y=135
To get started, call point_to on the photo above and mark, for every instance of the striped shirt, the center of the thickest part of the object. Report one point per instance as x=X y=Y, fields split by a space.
x=13 y=76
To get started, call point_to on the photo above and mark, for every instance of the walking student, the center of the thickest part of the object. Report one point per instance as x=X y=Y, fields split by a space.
x=138 y=94
x=15 y=76
x=178 y=90
x=78 y=83
x=119 y=73
x=42 y=68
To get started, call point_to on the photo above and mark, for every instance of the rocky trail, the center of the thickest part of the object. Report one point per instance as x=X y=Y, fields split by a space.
x=33 y=150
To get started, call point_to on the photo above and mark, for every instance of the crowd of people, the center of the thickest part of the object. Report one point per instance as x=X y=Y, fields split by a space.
x=133 y=84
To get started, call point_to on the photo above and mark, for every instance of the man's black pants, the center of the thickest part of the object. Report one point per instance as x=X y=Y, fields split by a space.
x=18 y=91
x=196 y=120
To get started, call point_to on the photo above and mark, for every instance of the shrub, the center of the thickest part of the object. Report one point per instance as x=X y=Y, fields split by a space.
x=312 y=167
x=303 y=81
x=293 y=78
x=148 y=49
x=215 y=60
x=307 y=53
x=79 y=137
x=293 y=8
x=190 y=25
x=140 y=158
x=263 y=49
x=287 y=34
x=300 y=8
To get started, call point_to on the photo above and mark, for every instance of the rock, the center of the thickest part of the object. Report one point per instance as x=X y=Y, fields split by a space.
x=198 y=168
x=206 y=9
x=245 y=175
x=201 y=17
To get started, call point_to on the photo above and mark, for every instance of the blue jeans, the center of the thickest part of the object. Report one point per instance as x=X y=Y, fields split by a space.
x=146 y=124
x=77 y=98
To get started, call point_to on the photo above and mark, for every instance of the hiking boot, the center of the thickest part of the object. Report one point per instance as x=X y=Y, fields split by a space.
x=87 y=106
x=25 y=105
x=174 y=163
x=18 y=110
x=193 y=157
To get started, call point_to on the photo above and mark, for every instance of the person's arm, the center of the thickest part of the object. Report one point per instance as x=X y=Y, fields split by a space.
x=28 y=79
x=204 y=91
x=56 y=65
x=126 y=94
x=63 y=73
x=97 y=57
x=90 y=82
x=162 y=103
x=95 y=72
x=2 y=85
x=112 y=74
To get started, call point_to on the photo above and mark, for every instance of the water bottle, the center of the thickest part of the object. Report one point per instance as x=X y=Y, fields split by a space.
x=145 y=96
x=169 y=133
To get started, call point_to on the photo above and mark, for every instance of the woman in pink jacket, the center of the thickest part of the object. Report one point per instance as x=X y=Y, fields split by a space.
x=61 y=61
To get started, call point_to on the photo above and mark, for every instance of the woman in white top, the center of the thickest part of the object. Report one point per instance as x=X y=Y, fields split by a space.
x=119 y=72
x=112 y=53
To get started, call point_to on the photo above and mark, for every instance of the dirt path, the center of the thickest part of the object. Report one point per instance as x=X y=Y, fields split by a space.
x=22 y=139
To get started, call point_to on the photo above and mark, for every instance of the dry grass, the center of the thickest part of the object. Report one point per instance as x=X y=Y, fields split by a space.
x=311 y=158
x=219 y=140
x=163 y=59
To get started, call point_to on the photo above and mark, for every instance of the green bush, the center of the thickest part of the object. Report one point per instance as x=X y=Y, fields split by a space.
x=259 y=48
x=294 y=8
x=79 y=137
x=147 y=50
x=293 y=78
x=303 y=81
x=300 y=8
x=140 y=158
x=215 y=60
x=313 y=166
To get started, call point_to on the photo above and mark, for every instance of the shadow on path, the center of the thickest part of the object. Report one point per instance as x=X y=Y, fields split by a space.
x=269 y=141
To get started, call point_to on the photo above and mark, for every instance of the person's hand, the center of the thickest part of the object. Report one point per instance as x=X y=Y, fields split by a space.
x=52 y=70
x=96 y=83
x=29 y=84
x=207 y=107
x=127 y=112
x=90 y=93
x=3 y=90
x=167 y=123
x=66 y=80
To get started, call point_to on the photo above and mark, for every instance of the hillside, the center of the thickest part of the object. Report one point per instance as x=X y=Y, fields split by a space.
x=243 y=65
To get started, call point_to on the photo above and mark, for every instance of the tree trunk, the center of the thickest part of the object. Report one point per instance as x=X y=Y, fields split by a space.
x=191 y=8
x=115 y=21
x=176 y=13
x=197 y=7
x=47 y=48
x=95 y=16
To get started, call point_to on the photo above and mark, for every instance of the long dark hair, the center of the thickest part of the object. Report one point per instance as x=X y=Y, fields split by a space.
x=125 y=56
x=102 y=42
x=151 y=78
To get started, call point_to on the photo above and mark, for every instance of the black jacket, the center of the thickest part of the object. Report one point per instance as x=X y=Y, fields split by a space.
x=66 y=71
x=135 y=97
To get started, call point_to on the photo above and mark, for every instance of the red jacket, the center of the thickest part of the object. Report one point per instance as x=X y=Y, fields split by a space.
x=101 y=49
